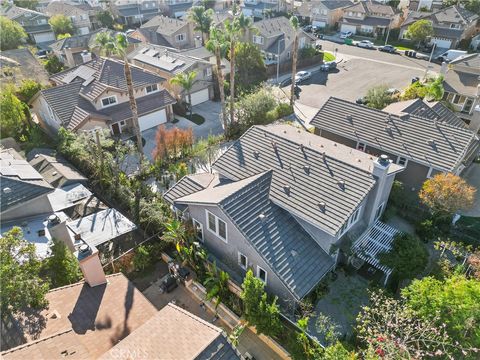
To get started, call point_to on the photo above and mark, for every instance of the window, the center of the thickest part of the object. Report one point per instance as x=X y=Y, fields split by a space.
x=455 y=26
x=151 y=88
x=467 y=107
x=207 y=72
x=242 y=261
x=72 y=18
x=198 y=229
x=217 y=226
x=180 y=37
x=402 y=161
x=361 y=146
x=84 y=17
x=257 y=39
x=351 y=221
x=41 y=21
x=379 y=211
x=350 y=13
x=122 y=123
x=359 y=14
x=324 y=12
x=109 y=101
x=261 y=274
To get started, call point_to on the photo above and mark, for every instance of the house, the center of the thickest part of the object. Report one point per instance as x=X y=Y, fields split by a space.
x=462 y=87
x=165 y=31
x=261 y=9
x=275 y=38
x=176 y=8
x=70 y=50
x=136 y=13
x=174 y=333
x=20 y=64
x=167 y=63
x=368 y=18
x=82 y=15
x=450 y=25
x=423 y=146
x=280 y=202
x=422 y=5
x=35 y=23
x=94 y=95
x=325 y=13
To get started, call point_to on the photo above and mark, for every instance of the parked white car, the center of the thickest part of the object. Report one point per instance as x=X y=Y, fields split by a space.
x=365 y=44
x=345 y=34
x=302 y=76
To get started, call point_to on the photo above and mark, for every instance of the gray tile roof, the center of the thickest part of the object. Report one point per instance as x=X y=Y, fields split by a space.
x=336 y=4
x=436 y=144
x=369 y=20
x=447 y=33
x=470 y=61
x=460 y=82
x=454 y=14
x=301 y=172
x=188 y=185
x=371 y=7
x=286 y=247
x=446 y=115
x=165 y=25
x=20 y=182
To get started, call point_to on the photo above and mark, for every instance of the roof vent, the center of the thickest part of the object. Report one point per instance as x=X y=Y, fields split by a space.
x=322 y=206
x=274 y=145
x=54 y=173
x=36 y=156
x=388 y=128
x=301 y=147
x=306 y=168
x=286 y=188
x=334 y=144
x=341 y=183
x=256 y=154
x=7 y=190
x=431 y=142
x=387 y=119
x=324 y=155
x=294 y=253
x=262 y=217
x=349 y=118
x=53 y=219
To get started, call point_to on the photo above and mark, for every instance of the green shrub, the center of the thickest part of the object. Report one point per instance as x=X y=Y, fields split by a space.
x=426 y=230
x=180 y=108
x=142 y=258
x=284 y=109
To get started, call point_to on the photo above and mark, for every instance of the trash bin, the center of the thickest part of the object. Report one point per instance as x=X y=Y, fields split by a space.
x=349 y=41
x=407 y=52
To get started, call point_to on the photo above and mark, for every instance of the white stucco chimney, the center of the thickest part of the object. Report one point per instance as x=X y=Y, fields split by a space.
x=443 y=68
x=86 y=56
x=380 y=171
x=90 y=265
x=58 y=230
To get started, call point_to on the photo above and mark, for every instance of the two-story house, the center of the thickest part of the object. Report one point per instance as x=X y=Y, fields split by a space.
x=323 y=13
x=137 y=12
x=260 y=9
x=168 y=62
x=422 y=5
x=280 y=202
x=368 y=18
x=82 y=15
x=425 y=146
x=94 y=95
x=176 y=8
x=34 y=23
x=165 y=31
x=450 y=25
x=462 y=88
x=275 y=38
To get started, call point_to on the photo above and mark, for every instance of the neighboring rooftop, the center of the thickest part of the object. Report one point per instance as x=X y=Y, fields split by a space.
x=371 y=8
x=174 y=333
x=165 y=25
x=433 y=143
x=81 y=322
x=463 y=76
x=22 y=65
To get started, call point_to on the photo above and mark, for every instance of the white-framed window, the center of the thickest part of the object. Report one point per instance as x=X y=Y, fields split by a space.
x=198 y=227
x=361 y=146
x=258 y=39
x=351 y=221
x=217 y=226
x=151 y=88
x=207 y=72
x=84 y=17
x=350 y=13
x=402 y=161
x=467 y=106
x=123 y=123
x=359 y=14
x=180 y=37
x=41 y=21
x=72 y=18
x=455 y=26
x=242 y=261
x=378 y=213
x=324 y=12
x=262 y=274
x=109 y=101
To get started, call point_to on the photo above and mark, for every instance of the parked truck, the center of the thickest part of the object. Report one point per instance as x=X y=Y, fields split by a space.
x=450 y=55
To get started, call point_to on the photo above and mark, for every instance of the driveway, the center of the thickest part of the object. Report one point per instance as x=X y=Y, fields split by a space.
x=472 y=177
x=210 y=110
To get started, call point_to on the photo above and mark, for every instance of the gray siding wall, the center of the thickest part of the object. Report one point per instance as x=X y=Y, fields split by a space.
x=236 y=242
x=37 y=206
x=321 y=237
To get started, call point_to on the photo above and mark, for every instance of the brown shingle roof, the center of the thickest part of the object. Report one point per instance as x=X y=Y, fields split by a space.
x=85 y=322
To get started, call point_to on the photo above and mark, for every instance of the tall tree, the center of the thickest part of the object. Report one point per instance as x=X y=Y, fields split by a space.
x=14 y=119
x=419 y=31
x=295 y=25
x=118 y=46
x=105 y=18
x=61 y=24
x=378 y=97
x=251 y=70
x=61 y=267
x=12 y=34
x=19 y=274
x=445 y=194
x=186 y=81
x=217 y=45
x=202 y=18
x=234 y=30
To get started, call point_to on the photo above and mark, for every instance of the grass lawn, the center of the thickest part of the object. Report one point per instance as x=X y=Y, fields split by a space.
x=197 y=119
x=399 y=45
x=328 y=57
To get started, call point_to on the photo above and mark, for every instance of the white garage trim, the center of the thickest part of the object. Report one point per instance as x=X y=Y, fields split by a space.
x=321 y=24
x=200 y=97
x=442 y=43
x=43 y=37
x=346 y=27
x=153 y=119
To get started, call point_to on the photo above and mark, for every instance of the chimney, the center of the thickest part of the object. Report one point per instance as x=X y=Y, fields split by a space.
x=382 y=187
x=443 y=68
x=59 y=231
x=86 y=56
x=90 y=265
x=475 y=119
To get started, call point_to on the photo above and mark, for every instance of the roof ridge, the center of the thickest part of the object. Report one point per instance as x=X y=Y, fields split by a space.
x=34 y=342
x=257 y=177
x=82 y=282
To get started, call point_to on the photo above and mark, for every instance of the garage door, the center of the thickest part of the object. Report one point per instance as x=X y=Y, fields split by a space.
x=42 y=37
x=200 y=97
x=442 y=43
x=152 y=119
x=321 y=24
x=346 y=28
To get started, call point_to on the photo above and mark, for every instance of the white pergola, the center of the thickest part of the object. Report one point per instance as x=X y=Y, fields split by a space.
x=375 y=240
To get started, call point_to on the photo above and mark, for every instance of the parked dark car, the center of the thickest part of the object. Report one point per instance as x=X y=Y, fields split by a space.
x=42 y=54
x=388 y=48
x=329 y=65
x=307 y=28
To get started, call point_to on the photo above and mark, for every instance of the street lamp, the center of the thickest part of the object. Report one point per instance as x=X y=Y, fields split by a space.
x=278 y=56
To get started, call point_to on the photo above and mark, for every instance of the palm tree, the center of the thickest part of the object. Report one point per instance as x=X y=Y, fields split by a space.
x=217 y=45
x=117 y=45
x=202 y=19
x=234 y=30
x=295 y=25
x=186 y=81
